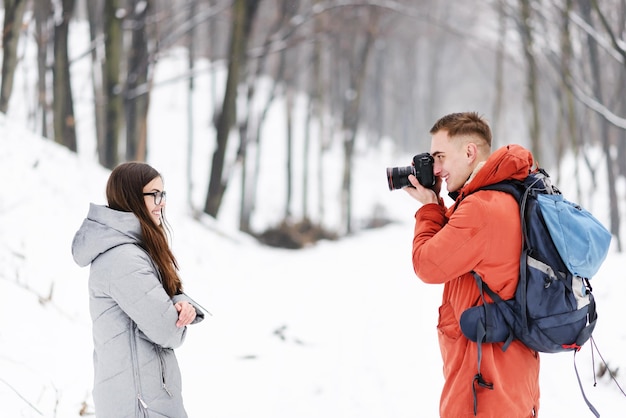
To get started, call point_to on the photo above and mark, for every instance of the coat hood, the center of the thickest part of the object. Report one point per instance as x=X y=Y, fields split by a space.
x=103 y=229
x=512 y=162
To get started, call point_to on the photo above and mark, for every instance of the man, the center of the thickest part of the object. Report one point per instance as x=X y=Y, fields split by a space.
x=480 y=232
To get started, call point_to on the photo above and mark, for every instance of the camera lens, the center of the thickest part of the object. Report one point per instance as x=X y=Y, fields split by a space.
x=398 y=177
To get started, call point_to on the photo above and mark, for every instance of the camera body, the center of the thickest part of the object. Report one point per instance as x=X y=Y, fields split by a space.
x=422 y=169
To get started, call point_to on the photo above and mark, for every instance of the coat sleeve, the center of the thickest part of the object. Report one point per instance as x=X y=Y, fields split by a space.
x=135 y=287
x=444 y=250
x=199 y=311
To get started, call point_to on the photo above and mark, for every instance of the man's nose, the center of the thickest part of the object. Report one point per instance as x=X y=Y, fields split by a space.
x=437 y=168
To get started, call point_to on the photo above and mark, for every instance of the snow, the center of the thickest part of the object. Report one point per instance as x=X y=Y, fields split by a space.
x=339 y=329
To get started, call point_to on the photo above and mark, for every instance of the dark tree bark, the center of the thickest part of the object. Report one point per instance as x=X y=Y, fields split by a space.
x=62 y=101
x=137 y=98
x=498 y=104
x=95 y=12
x=289 y=104
x=357 y=65
x=243 y=17
x=250 y=129
x=567 y=100
x=13 y=14
x=191 y=61
x=532 y=80
x=313 y=111
x=113 y=113
x=43 y=19
x=620 y=91
x=596 y=75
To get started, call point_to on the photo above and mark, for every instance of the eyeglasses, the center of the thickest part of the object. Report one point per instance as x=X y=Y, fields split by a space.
x=158 y=196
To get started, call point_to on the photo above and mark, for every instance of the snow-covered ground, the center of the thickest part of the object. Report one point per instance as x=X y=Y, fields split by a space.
x=340 y=329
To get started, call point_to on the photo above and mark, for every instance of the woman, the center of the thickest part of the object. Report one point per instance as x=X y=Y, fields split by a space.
x=136 y=300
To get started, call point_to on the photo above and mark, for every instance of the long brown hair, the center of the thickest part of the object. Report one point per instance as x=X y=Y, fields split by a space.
x=124 y=192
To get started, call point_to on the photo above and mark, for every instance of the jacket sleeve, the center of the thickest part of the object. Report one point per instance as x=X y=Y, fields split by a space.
x=134 y=285
x=446 y=249
x=199 y=312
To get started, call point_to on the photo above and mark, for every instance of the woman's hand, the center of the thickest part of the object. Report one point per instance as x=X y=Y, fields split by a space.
x=186 y=313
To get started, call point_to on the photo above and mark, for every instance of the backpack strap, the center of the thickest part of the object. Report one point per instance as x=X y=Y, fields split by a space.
x=481 y=333
x=516 y=189
x=585 y=334
x=483 y=287
x=519 y=191
x=478 y=377
x=593 y=410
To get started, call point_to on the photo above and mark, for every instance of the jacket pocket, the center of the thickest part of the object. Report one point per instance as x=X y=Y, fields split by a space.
x=449 y=333
x=162 y=367
x=448 y=325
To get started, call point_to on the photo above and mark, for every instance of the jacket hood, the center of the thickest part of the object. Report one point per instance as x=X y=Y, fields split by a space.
x=103 y=229
x=512 y=162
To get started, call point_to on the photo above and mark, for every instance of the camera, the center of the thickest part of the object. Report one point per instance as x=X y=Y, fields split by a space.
x=422 y=169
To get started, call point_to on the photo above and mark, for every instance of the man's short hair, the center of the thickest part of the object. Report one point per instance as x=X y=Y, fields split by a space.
x=461 y=124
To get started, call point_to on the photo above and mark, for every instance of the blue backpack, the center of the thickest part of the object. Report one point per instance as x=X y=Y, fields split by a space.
x=553 y=309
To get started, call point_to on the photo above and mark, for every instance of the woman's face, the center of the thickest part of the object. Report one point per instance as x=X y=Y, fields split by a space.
x=153 y=193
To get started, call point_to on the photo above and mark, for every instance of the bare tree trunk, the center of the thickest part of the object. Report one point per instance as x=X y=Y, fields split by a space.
x=594 y=62
x=567 y=102
x=321 y=95
x=243 y=16
x=531 y=76
x=213 y=48
x=62 y=101
x=248 y=194
x=306 y=159
x=108 y=153
x=95 y=11
x=191 y=45
x=621 y=134
x=289 y=99
x=13 y=14
x=621 y=139
x=498 y=104
x=250 y=130
x=620 y=90
x=350 y=119
x=43 y=19
x=137 y=100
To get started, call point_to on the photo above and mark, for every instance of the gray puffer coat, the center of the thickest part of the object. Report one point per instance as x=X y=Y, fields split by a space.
x=134 y=320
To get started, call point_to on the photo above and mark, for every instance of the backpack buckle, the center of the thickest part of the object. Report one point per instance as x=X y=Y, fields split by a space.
x=573 y=346
x=478 y=378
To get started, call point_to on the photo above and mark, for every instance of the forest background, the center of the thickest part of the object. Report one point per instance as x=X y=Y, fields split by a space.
x=549 y=74
x=245 y=107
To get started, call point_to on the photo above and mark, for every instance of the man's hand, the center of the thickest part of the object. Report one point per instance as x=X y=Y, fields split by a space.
x=423 y=194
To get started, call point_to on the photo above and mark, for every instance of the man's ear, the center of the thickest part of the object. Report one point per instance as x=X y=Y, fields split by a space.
x=471 y=151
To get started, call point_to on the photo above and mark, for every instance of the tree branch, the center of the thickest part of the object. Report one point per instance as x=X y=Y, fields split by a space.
x=609 y=31
x=21 y=397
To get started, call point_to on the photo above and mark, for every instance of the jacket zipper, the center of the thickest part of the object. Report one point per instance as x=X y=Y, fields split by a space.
x=159 y=351
x=143 y=406
x=157 y=347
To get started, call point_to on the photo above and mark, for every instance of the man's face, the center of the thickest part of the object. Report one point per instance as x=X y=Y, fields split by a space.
x=452 y=162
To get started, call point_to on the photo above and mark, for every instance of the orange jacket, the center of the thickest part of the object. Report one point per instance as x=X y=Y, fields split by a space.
x=483 y=234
